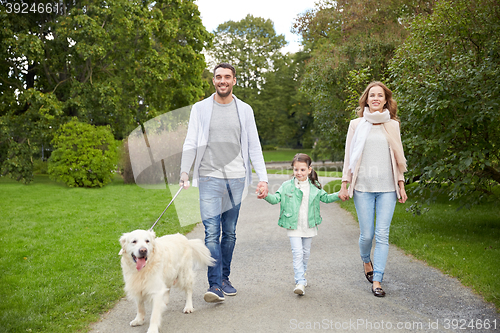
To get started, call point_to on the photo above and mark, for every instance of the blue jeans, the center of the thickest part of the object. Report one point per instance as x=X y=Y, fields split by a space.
x=367 y=204
x=301 y=249
x=220 y=202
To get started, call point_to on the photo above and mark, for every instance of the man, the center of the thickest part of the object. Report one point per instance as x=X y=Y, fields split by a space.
x=222 y=139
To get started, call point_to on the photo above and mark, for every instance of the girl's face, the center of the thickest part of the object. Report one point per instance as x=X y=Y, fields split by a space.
x=301 y=171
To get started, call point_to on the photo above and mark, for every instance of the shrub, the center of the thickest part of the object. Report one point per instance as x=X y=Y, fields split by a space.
x=40 y=167
x=269 y=147
x=84 y=155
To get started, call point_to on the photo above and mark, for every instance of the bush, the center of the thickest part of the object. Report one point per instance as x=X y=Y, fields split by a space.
x=84 y=155
x=268 y=147
x=40 y=167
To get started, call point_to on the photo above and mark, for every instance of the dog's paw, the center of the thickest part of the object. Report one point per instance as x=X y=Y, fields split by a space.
x=188 y=309
x=137 y=322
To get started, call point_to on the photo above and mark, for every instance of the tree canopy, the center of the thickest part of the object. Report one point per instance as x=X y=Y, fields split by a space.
x=267 y=79
x=447 y=80
x=344 y=37
x=115 y=63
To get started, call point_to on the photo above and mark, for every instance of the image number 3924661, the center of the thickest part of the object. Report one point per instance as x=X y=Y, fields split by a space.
x=33 y=8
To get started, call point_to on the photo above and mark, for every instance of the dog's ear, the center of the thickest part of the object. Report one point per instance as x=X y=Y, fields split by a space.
x=123 y=241
x=152 y=234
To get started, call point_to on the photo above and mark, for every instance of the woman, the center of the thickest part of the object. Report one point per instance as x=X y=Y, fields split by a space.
x=374 y=164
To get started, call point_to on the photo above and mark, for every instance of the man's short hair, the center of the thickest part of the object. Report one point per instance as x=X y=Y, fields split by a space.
x=225 y=65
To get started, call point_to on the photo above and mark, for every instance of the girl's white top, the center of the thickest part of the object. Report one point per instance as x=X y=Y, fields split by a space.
x=303 y=229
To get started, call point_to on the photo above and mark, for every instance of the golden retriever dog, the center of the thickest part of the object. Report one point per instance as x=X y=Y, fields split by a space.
x=151 y=266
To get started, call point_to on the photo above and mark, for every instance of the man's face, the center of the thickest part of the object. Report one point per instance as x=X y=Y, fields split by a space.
x=224 y=81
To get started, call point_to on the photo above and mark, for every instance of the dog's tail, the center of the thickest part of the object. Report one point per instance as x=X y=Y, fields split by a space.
x=201 y=254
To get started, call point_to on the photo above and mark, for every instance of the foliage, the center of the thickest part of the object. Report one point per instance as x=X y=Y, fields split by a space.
x=85 y=155
x=343 y=38
x=447 y=79
x=266 y=79
x=115 y=63
x=16 y=156
x=251 y=46
x=282 y=112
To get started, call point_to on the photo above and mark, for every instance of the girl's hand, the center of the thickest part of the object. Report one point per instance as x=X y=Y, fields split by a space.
x=262 y=190
x=343 y=194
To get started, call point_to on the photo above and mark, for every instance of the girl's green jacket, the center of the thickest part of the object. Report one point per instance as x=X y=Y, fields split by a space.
x=291 y=197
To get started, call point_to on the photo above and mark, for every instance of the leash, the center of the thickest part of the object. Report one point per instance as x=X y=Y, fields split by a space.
x=175 y=196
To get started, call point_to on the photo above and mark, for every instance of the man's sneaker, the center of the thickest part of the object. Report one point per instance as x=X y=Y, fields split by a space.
x=299 y=290
x=228 y=289
x=213 y=295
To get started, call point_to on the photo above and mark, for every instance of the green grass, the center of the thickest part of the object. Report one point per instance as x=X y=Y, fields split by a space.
x=60 y=263
x=283 y=154
x=462 y=243
x=290 y=172
x=61 y=269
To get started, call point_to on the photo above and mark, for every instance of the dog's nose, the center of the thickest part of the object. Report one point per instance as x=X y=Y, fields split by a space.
x=143 y=251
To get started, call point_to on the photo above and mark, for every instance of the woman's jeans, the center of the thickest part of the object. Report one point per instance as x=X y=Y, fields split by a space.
x=301 y=249
x=367 y=204
x=220 y=202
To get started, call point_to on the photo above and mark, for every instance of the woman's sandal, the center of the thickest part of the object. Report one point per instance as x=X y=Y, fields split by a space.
x=369 y=275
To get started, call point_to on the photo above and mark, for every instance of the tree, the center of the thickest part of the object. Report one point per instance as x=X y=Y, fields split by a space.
x=344 y=37
x=283 y=114
x=252 y=47
x=115 y=63
x=266 y=79
x=447 y=80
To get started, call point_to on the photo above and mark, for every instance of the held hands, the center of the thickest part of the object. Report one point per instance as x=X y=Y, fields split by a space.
x=262 y=190
x=184 y=180
x=343 y=194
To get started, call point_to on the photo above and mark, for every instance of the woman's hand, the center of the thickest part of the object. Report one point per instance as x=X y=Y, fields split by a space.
x=343 y=194
x=402 y=191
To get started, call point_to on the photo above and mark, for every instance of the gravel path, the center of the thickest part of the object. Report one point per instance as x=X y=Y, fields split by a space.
x=338 y=298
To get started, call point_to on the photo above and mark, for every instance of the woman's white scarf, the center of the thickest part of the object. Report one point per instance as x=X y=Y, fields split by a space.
x=362 y=131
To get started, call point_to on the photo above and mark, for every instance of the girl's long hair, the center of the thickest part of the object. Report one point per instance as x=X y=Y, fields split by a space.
x=313 y=176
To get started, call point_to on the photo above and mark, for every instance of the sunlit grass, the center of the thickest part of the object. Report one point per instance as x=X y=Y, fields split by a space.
x=60 y=263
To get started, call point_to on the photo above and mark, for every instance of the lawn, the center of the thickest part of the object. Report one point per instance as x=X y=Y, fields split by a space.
x=462 y=243
x=61 y=269
x=283 y=154
x=320 y=173
x=60 y=263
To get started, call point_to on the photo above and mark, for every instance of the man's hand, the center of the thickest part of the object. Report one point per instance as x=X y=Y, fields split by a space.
x=184 y=180
x=262 y=190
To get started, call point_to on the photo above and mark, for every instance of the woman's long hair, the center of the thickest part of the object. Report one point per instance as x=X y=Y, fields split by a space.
x=390 y=103
x=313 y=176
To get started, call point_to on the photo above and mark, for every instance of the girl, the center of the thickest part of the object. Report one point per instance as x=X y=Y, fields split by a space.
x=299 y=214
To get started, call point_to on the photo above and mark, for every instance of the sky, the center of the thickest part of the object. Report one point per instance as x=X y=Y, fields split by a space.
x=281 y=12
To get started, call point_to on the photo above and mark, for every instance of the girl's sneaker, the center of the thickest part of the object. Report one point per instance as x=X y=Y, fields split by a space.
x=299 y=290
